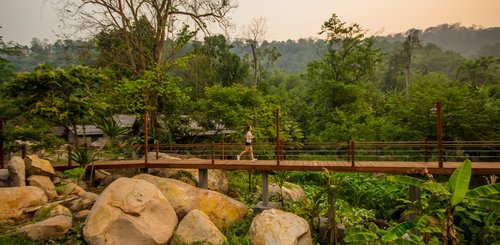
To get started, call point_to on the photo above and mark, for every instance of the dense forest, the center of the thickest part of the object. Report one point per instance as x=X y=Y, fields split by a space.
x=347 y=86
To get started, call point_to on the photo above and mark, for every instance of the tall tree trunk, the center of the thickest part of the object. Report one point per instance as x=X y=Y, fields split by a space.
x=255 y=63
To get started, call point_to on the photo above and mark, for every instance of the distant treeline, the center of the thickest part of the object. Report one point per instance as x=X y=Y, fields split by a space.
x=469 y=42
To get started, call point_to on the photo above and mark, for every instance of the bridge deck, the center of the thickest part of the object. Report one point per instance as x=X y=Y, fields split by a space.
x=287 y=165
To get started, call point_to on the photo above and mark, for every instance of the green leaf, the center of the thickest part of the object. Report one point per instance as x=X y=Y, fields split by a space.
x=361 y=237
x=489 y=204
x=434 y=187
x=423 y=221
x=459 y=182
x=484 y=191
x=352 y=230
x=406 y=242
x=403 y=179
x=397 y=231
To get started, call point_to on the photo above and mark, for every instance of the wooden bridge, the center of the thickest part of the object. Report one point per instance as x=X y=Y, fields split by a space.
x=379 y=157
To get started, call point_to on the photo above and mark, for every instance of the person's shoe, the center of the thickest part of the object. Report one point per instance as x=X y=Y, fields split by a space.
x=255 y=159
x=238 y=157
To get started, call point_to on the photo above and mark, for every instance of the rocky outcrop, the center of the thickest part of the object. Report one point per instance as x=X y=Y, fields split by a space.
x=290 y=192
x=130 y=211
x=15 y=202
x=17 y=171
x=274 y=226
x=222 y=210
x=44 y=183
x=196 y=227
x=38 y=166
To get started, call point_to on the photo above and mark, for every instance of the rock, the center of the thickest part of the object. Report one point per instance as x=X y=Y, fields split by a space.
x=38 y=166
x=222 y=210
x=81 y=215
x=152 y=155
x=130 y=211
x=217 y=179
x=85 y=200
x=291 y=192
x=4 y=178
x=51 y=228
x=71 y=189
x=196 y=227
x=17 y=171
x=16 y=201
x=274 y=226
x=44 y=183
x=109 y=179
x=51 y=210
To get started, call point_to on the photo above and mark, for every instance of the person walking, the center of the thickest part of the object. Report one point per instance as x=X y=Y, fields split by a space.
x=248 y=144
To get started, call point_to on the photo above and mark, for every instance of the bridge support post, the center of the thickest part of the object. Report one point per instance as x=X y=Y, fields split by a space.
x=203 y=178
x=414 y=193
x=265 y=189
x=265 y=204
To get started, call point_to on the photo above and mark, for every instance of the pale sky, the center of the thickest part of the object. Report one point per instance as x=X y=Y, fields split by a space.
x=22 y=20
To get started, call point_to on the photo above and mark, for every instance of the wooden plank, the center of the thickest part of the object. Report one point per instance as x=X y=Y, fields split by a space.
x=364 y=166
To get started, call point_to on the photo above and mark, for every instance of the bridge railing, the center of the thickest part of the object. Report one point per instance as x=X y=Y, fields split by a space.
x=350 y=151
x=415 y=151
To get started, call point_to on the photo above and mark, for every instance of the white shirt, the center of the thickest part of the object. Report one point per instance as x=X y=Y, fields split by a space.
x=249 y=137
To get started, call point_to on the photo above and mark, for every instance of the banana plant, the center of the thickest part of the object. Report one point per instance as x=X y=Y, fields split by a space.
x=455 y=192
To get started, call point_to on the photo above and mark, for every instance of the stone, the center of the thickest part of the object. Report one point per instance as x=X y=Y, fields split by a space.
x=51 y=210
x=291 y=192
x=4 y=178
x=130 y=211
x=217 y=179
x=274 y=226
x=70 y=189
x=109 y=179
x=17 y=171
x=196 y=227
x=15 y=201
x=44 y=183
x=38 y=166
x=85 y=200
x=81 y=215
x=222 y=210
x=51 y=228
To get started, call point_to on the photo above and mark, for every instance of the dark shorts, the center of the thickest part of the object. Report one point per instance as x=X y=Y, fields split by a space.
x=247 y=144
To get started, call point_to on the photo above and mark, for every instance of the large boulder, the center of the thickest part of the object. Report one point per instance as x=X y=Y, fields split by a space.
x=51 y=228
x=196 y=227
x=217 y=179
x=44 y=183
x=291 y=192
x=17 y=171
x=222 y=210
x=130 y=211
x=15 y=202
x=51 y=210
x=274 y=226
x=38 y=166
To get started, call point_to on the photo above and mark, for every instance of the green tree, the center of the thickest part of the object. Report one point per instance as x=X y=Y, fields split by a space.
x=152 y=31
x=65 y=97
x=211 y=63
x=485 y=70
x=341 y=77
x=456 y=192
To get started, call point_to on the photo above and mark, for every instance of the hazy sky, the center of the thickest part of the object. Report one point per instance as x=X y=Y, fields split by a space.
x=286 y=19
